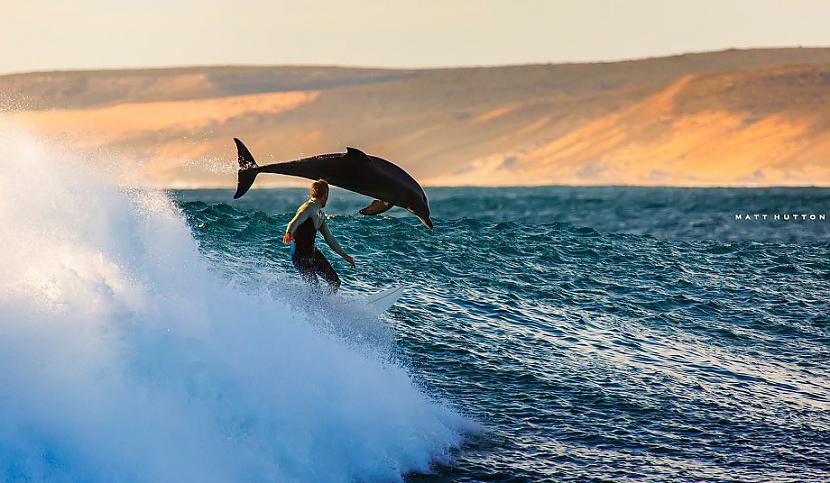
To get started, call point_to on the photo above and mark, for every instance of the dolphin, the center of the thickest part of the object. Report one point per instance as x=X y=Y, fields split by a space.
x=353 y=170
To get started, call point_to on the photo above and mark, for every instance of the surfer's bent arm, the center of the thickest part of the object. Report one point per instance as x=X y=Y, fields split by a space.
x=331 y=241
x=302 y=215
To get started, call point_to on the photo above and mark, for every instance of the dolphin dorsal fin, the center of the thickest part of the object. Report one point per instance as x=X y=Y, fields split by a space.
x=356 y=153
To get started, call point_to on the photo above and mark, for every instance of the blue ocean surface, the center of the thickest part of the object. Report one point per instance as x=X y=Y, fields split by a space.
x=594 y=333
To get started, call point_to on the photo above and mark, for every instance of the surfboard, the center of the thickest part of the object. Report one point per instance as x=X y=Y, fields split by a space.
x=381 y=301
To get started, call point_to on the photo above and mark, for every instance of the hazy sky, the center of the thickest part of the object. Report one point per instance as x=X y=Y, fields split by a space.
x=59 y=34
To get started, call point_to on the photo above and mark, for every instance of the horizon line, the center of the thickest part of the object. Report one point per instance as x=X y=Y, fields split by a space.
x=81 y=70
x=555 y=185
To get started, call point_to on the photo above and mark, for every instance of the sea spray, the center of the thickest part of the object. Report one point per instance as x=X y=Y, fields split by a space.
x=123 y=357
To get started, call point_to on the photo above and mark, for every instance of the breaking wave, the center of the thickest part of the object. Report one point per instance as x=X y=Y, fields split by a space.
x=125 y=357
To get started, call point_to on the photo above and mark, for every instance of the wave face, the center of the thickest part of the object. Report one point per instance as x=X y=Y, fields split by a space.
x=126 y=356
x=600 y=334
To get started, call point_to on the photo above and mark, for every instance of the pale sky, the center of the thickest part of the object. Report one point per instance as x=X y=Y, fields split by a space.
x=61 y=34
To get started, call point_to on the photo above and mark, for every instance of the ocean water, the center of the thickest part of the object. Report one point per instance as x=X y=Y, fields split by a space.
x=598 y=334
x=547 y=334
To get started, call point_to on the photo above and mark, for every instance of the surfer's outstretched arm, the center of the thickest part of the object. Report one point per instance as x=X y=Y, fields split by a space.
x=332 y=242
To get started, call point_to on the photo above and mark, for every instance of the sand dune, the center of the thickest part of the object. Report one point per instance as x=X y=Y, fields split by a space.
x=754 y=117
x=111 y=123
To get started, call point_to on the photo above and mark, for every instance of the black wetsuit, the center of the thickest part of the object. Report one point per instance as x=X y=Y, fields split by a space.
x=307 y=259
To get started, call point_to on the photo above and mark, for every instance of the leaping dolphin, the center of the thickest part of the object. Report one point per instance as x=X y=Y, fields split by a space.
x=353 y=170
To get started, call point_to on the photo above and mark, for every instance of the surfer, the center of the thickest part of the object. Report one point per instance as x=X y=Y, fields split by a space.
x=301 y=233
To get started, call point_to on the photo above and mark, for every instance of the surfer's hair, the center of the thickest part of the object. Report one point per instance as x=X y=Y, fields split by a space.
x=319 y=189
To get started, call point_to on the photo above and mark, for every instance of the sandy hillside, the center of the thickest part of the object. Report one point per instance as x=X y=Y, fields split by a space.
x=738 y=117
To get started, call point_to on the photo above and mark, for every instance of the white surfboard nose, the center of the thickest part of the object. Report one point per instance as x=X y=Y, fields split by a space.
x=382 y=301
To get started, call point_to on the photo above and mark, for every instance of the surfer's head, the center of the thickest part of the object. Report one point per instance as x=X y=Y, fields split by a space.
x=320 y=191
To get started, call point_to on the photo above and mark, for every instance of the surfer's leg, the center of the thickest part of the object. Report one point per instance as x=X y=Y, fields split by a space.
x=305 y=267
x=323 y=268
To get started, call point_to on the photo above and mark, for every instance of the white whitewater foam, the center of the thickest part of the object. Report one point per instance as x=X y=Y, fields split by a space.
x=124 y=358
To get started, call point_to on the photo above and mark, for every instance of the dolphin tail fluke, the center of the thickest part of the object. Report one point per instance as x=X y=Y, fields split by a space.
x=248 y=169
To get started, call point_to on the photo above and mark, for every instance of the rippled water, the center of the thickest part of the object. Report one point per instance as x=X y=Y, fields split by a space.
x=598 y=333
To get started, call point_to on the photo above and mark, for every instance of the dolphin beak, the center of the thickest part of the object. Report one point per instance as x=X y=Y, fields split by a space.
x=424 y=219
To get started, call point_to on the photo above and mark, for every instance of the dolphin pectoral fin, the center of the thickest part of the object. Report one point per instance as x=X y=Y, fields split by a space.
x=376 y=207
